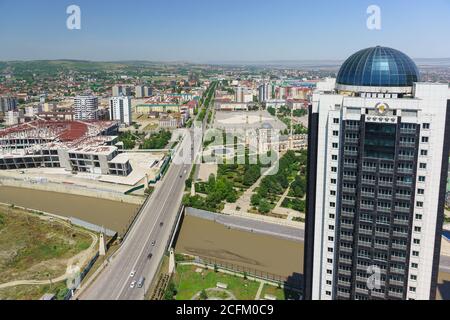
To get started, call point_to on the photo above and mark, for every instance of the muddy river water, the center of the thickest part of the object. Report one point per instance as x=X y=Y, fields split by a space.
x=109 y=214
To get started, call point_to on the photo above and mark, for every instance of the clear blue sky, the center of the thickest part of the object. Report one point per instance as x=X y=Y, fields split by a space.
x=226 y=30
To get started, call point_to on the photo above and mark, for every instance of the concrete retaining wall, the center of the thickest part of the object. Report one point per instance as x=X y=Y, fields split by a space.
x=71 y=189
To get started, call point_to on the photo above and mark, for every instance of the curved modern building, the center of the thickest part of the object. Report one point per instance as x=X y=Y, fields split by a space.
x=378 y=159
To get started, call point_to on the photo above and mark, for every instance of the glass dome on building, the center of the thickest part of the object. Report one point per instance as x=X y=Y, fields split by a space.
x=378 y=67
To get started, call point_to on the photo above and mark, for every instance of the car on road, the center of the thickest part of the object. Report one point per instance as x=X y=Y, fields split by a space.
x=150 y=255
x=132 y=273
x=161 y=224
x=153 y=243
x=141 y=282
x=132 y=284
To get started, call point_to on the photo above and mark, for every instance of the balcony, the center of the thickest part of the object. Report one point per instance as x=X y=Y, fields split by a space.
x=397 y=271
x=407 y=131
x=351 y=165
x=381 y=246
x=349 y=190
x=345 y=272
x=346 y=238
x=348 y=202
x=377 y=294
x=405 y=170
x=400 y=234
x=396 y=283
x=346 y=249
x=387 y=170
x=399 y=246
x=352 y=128
x=385 y=183
x=385 y=196
x=403 y=196
x=405 y=144
x=368 y=194
x=344 y=295
x=401 y=222
x=406 y=157
x=369 y=169
x=351 y=153
x=404 y=183
x=365 y=231
x=351 y=140
x=384 y=209
x=395 y=294
x=368 y=181
x=367 y=206
x=349 y=178
x=402 y=209
x=398 y=259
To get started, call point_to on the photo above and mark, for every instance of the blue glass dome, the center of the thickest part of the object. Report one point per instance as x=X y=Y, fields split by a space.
x=378 y=67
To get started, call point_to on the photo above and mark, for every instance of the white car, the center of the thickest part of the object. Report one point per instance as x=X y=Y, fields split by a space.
x=133 y=284
x=132 y=274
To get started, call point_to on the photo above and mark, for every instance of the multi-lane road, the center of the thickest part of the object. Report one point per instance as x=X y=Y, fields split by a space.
x=146 y=242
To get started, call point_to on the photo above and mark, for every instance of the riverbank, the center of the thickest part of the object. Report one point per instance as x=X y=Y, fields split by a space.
x=110 y=214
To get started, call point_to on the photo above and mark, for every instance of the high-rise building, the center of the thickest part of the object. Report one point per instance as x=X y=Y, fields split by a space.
x=378 y=157
x=85 y=108
x=265 y=92
x=116 y=90
x=120 y=109
x=119 y=90
x=8 y=104
x=139 y=91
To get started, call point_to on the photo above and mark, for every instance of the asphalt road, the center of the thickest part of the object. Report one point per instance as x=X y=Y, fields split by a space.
x=146 y=237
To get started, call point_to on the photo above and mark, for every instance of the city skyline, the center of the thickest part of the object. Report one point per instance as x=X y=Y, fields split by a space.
x=202 y=32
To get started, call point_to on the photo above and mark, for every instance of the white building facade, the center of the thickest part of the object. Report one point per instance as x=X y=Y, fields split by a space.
x=120 y=110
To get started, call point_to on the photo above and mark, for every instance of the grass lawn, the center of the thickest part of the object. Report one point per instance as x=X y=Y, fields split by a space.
x=280 y=294
x=34 y=292
x=35 y=249
x=188 y=283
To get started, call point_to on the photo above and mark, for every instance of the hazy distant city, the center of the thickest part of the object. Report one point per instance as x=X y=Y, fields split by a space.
x=246 y=177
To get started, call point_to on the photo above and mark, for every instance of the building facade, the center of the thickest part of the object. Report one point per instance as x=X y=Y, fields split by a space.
x=120 y=110
x=378 y=160
x=85 y=108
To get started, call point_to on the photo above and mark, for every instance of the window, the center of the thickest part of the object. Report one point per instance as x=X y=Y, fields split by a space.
x=423 y=166
x=336 y=120
x=415 y=253
x=328 y=293
x=423 y=152
x=330 y=260
x=414 y=265
x=329 y=282
x=330 y=250
x=331 y=227
x=420 y=191
x=426 y=126
x=419 y=204
x=335 y=133
x=331 y=215
x=335 y=145
x=329 y=272
x=332 y=204
x=333 y=169
x=334 y=157
x=333 y=181
x=330 y=238
x=332 y=192
x=424 y=139
x=416 y=241
x=413 y=277
x=418 y=216
x=412 y=289
x=417 y=229
x=421 y=178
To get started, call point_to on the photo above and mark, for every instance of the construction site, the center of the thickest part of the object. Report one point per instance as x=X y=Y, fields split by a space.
x=86 y=154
